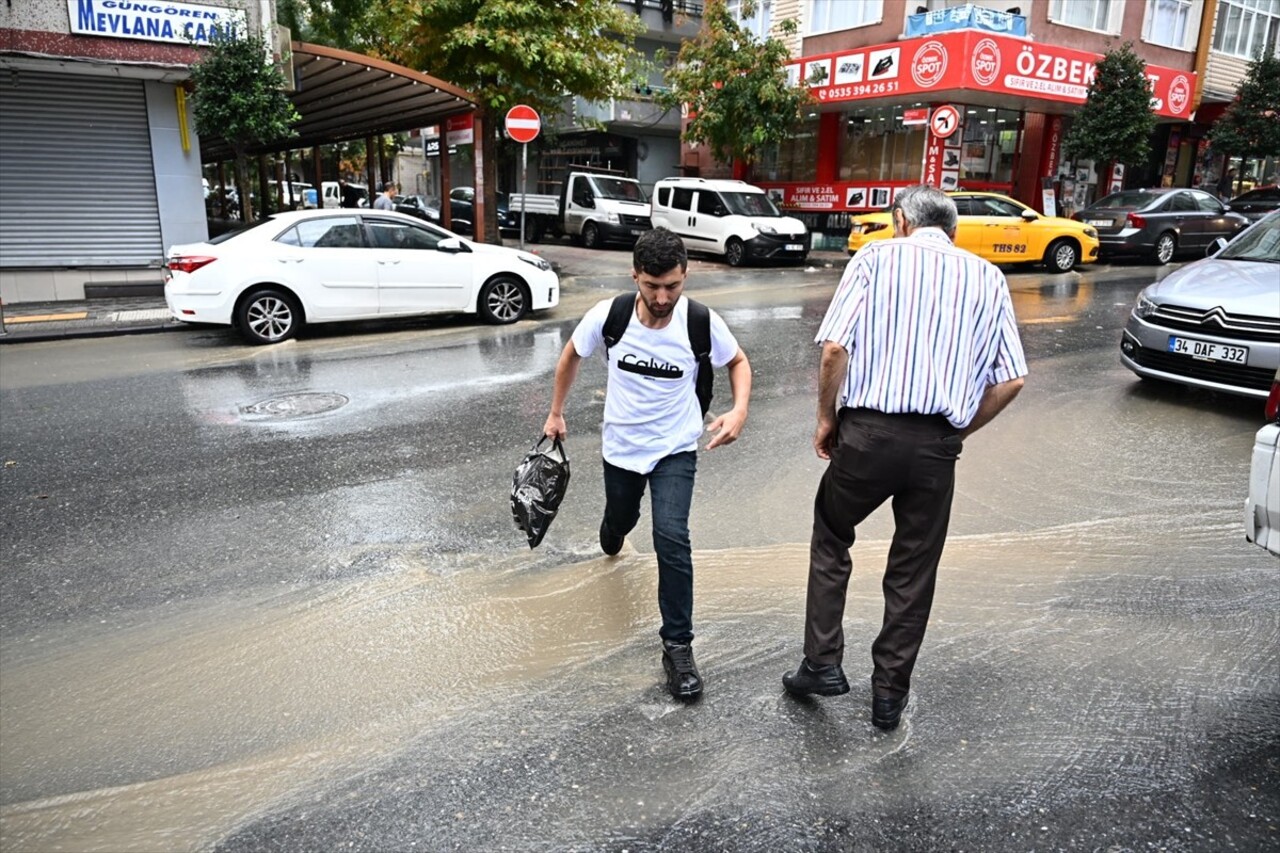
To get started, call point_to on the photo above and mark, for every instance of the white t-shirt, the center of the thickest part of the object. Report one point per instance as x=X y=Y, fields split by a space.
x=651 y=407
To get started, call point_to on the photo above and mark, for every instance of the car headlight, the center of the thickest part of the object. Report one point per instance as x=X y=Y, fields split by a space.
x=612 y=217
x=764 y=229
x=1144 y=307
x=1091 y=234
x=867 y=227
x=540 y=263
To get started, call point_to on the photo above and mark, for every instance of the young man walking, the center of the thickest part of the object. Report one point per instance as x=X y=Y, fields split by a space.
x=652 y=420
x=920 y=349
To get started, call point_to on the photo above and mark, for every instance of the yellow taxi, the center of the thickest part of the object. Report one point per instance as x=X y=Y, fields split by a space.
x=1001 y=230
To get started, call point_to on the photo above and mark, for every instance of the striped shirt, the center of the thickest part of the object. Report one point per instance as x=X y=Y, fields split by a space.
x=927 y=327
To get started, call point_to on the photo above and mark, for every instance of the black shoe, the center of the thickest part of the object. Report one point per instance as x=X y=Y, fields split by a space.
x=609 y=543
x=682 y=673
x=826 y=680
x=886 y=711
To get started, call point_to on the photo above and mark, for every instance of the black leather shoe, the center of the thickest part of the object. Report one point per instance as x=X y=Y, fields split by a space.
x=826 y=680
x=609 y=543
x=886 y=711
x=682 y=673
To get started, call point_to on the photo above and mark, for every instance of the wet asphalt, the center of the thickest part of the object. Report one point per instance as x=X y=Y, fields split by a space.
x=231 y=631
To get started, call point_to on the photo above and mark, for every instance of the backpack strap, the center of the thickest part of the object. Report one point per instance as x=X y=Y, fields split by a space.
x=700 y=340
x=620 y=314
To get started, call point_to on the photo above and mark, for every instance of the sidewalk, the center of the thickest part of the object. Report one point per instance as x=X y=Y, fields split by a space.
x=47 y=321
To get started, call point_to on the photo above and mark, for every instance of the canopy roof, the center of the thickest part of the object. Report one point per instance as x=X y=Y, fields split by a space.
x=343 y=96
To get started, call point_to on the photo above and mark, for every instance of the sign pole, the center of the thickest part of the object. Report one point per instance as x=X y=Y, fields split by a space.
x=524 y=172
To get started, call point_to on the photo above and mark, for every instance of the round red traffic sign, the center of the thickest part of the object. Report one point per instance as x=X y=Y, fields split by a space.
x=523 y=123
x=944 y=121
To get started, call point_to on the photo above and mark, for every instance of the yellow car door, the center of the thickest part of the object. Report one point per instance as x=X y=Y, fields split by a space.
x=968 y=226
x=1004 y=231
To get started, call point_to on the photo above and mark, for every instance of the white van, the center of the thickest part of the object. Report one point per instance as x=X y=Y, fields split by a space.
x=730 y=218
x=331 y=194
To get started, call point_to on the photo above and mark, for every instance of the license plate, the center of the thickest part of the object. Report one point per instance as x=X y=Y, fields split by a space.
x=795 y=247
x=1101 y=223
x=1209 y=352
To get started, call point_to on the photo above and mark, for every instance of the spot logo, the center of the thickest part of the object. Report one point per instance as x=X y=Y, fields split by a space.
x=1179 y=94
x=986 y=62
x=929 y=64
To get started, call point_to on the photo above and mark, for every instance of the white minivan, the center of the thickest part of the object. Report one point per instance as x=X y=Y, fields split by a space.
x=729 y=218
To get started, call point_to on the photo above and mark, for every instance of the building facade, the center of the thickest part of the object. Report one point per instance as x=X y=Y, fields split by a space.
x=976 y=95
x=99 y=159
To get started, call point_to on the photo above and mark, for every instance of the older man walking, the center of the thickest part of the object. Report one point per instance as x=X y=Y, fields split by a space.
x=920 y=349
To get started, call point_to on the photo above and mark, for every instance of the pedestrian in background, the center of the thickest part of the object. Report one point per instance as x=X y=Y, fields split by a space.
x=652 y=421
x=920 y=349
x=350 y=195
x=386 y=201
x=1225 y=184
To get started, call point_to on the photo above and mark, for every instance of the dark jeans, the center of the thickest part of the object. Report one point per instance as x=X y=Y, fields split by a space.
x=671 y=493
x=911 y=459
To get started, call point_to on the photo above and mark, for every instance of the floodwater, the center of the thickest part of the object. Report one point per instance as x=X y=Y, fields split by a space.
x=1101 y=670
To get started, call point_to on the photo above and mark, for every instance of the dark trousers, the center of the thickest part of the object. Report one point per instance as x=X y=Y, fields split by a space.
x=671 y=494
x=911 y=459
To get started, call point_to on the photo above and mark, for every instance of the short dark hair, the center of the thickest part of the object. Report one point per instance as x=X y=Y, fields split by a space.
x=658 y=251
x=389 y=185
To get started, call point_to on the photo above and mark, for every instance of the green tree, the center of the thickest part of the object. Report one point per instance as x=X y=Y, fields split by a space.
x=239 y=96
x=1250 y=127
x=735 y=85
x=506 y=52
x=1116 y=121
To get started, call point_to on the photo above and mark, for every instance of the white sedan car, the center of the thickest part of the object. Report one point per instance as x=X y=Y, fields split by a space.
x=322 y=266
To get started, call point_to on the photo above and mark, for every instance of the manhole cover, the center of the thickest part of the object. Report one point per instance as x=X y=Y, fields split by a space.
x=298 y=405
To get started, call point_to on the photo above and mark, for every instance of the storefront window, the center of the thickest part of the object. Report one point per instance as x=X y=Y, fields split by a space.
x=876 y=146
x=989 y=144
x=795 y=159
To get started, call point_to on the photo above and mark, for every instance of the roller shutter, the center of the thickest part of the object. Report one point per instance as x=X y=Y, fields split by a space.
x=77 y=186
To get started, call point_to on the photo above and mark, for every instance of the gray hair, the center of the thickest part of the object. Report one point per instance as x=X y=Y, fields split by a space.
x=926 y=207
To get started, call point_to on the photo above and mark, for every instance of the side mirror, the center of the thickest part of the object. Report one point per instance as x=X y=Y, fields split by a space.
x=453 y=245
x=1215 y=247
x=1030 y=215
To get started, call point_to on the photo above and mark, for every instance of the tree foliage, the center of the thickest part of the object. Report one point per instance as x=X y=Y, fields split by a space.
x=1250 y=127
x=506 y=52
x=735 y=86
x=239 y=97
x=1116 y=121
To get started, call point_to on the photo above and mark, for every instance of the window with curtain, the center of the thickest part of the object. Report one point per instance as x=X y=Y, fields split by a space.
x=1089 y=14
x=1247 y=27
x=758 y=23
x=1167 y=22
x=831 y=15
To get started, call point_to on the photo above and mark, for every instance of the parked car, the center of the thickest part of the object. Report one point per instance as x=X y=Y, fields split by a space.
x=1262 y=508
x=1257 y=203
x=419 y=206
x=729 y=218
x=319 y=266
x=1160 y=223
x=1214 y=323
x=462 y=202
x=1000 y=229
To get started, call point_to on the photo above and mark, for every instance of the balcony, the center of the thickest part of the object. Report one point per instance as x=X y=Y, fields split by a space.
x=639 y=113
x=670 y=21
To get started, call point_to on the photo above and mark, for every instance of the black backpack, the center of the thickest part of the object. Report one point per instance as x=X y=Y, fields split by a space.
x=623 y=308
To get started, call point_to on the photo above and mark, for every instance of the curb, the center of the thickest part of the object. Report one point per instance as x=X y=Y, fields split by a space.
x=10 y=337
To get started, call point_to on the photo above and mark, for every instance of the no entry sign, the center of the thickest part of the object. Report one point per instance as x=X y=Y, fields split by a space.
x=523 y=123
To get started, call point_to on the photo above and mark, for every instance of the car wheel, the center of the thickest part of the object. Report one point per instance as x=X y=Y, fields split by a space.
x=591 y=236
x=268 y=316
x=1062 y=256
x=532 y=230
x=503 y=300
x=1166 y=243
x=734 y=252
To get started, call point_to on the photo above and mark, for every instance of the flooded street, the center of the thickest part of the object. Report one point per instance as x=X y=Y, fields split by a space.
x=273 y=599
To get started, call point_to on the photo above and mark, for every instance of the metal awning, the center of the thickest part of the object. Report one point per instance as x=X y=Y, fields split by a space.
x=343 y=96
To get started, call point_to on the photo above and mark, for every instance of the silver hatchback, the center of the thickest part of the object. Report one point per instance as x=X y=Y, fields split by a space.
x=1214 y=323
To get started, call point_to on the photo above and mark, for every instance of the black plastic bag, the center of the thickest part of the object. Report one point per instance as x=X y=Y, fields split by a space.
x=538 y=487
